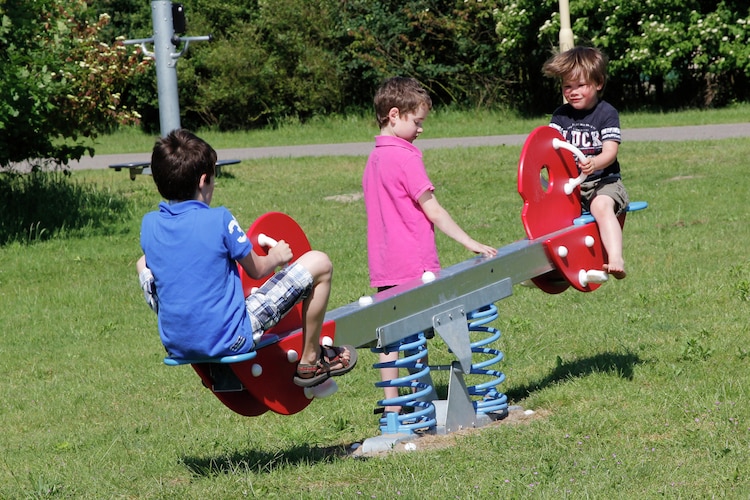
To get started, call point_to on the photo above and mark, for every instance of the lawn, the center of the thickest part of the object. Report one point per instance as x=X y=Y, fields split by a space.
x=638 y=389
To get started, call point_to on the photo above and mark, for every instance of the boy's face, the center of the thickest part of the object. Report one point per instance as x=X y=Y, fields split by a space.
x=581 y=94
x=408 y=126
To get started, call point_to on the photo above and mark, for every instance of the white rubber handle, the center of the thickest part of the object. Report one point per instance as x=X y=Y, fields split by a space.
x=322 y=390
x=591 y=276
x=266 y=241
x=573 y=182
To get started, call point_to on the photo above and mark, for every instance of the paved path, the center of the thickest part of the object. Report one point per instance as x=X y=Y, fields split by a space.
x=687 y=133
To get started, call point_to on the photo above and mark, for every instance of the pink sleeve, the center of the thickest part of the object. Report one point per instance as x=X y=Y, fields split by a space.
x=415 y=178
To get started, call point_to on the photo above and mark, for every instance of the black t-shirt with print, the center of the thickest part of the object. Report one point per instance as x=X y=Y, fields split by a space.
x=588 y=129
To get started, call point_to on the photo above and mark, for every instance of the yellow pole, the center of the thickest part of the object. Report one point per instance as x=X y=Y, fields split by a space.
x=566 y=33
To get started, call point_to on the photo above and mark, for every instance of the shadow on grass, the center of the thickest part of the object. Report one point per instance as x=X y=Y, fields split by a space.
x=620 y=364
x=41 y=205
x=261 y=462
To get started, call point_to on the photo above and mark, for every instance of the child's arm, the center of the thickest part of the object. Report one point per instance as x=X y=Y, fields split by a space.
x=146 y=280
x=258 y=266
x=443 y=221
x=140 y=264
x=601 y=161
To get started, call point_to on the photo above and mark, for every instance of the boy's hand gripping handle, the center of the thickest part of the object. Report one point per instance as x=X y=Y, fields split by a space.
x=573 y=182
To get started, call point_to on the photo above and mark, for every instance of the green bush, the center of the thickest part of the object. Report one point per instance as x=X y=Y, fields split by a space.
x=665 y=54
x=449 y=45
x=273 y=62
x=280 y=65
x=61 y=81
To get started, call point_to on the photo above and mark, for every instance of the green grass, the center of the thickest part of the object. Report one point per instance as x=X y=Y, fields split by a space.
x=441 y=123
x=640 y=388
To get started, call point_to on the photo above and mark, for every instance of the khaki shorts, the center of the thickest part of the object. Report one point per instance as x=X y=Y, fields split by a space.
x=613 y=188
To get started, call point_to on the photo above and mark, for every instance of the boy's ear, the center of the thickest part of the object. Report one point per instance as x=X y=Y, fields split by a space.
x=204 y=181
x=394 y=114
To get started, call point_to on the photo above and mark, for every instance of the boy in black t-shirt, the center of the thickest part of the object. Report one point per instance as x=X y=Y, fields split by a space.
x=593 y=126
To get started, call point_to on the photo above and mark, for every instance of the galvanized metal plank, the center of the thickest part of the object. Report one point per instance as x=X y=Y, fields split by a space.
x=475 y=281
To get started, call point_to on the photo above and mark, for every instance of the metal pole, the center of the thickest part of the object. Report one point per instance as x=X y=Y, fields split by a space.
x=166 y=66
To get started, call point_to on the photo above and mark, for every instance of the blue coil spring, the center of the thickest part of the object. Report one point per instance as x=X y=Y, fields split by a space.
x=491 y=399
x=422 y=415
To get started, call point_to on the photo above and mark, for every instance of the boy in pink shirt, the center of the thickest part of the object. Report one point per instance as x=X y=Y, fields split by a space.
x=402 y=211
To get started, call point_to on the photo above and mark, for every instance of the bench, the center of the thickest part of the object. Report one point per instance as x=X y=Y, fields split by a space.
x=144 y=167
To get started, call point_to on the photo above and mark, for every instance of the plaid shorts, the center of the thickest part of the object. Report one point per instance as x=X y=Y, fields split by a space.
x=276 y=297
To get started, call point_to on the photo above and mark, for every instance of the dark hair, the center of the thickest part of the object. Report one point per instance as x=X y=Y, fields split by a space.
x=177 y=163
x=579 y=62
x=406 y=94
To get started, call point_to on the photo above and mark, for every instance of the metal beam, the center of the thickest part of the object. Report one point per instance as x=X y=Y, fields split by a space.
x=409 y=308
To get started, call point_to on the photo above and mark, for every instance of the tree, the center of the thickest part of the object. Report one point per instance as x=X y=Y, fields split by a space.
x=273 y=61
x=448 y=45
x=61 y=83
x=276 y=62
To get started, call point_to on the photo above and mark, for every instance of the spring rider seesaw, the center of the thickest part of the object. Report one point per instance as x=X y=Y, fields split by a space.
x=562 y=249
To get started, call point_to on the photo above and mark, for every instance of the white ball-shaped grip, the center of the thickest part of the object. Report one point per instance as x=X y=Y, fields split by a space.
x=266 y=241
x=428 y=276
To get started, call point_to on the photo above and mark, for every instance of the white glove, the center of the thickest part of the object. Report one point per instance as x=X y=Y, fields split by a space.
x=148 y=286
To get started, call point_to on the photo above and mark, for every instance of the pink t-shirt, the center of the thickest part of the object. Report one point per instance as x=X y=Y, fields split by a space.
x=400 y=237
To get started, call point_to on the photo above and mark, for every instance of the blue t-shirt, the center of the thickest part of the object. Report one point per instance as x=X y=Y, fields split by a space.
x=192 y=250
x=588 y=129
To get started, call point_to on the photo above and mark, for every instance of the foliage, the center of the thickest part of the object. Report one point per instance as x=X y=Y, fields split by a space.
x=286 y=61
x=666 y=53
x=527 y=38
x=280 y=65
x=66 y=79
x=446 y=44
x=131 y=19
x=60 y=83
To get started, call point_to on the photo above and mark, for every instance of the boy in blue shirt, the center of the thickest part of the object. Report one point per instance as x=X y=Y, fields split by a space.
x=191 y=251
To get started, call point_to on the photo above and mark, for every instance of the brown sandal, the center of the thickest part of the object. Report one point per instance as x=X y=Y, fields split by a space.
x=330 y=364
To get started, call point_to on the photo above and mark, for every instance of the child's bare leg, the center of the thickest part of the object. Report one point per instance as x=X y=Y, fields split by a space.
x=315 y=305
x=316 y=364
x=389 y=373
x=610 y=230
